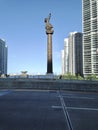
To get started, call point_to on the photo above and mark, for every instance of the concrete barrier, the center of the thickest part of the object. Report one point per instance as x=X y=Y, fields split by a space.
x=48 y=84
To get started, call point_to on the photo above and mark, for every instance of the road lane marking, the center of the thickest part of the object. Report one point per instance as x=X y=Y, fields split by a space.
x=66 y=114
x=77 y=97
x=81 y=108
x=56 y=107
x=4 y=92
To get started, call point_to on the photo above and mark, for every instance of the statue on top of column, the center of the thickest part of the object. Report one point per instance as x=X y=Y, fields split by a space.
x=49 y=27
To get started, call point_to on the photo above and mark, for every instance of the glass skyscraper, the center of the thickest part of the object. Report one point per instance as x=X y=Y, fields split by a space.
x=75 y=53
x=72 y=58
x=90 y=36
x=64 y=54
x=3 y=57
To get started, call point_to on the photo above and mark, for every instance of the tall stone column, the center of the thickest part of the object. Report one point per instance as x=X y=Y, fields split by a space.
x=49 y=32
x=49 y=54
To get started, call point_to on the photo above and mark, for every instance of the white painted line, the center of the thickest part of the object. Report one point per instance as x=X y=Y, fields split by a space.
x=56 y=107
x=88 y=109
x=66 y=114
x=4 y=93
x=77 y=97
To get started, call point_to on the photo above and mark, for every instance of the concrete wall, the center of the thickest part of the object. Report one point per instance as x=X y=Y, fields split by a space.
x=48 y=84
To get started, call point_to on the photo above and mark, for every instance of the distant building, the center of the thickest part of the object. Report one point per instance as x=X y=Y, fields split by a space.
x=72 y=55
x=63 y=61
x=66 y=63
x=65 y=57
x=3 y=57
x=90 y=37
x=75 y=53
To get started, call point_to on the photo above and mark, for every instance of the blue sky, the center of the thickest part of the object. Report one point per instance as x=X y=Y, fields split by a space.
x=22 y=26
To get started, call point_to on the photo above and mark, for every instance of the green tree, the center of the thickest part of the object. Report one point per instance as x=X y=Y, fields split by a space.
x=91 y=77
x=79 y=77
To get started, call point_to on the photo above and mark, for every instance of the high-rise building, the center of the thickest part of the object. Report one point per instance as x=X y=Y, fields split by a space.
x=62 y=56
x=75 y=53
x=90 y=36
x=72 y=55
x=66 y=63
x=3 y=57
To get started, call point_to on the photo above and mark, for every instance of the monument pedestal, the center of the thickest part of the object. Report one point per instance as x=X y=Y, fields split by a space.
x=49 y=54
x=50 y=76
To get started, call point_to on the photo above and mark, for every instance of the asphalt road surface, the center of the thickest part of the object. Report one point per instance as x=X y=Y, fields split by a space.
x=48 y=110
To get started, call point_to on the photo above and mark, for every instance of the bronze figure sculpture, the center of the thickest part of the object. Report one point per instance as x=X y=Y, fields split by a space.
x=48 y=25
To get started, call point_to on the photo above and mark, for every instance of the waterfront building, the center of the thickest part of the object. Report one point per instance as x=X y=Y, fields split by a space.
x=64 y=54
x=66 y=63
x=62 y=60
x=90 y=37
x=75 y=57
x=72 y=55
x=3 y=57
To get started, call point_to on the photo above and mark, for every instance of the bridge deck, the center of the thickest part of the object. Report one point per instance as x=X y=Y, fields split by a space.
x=48 y=110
